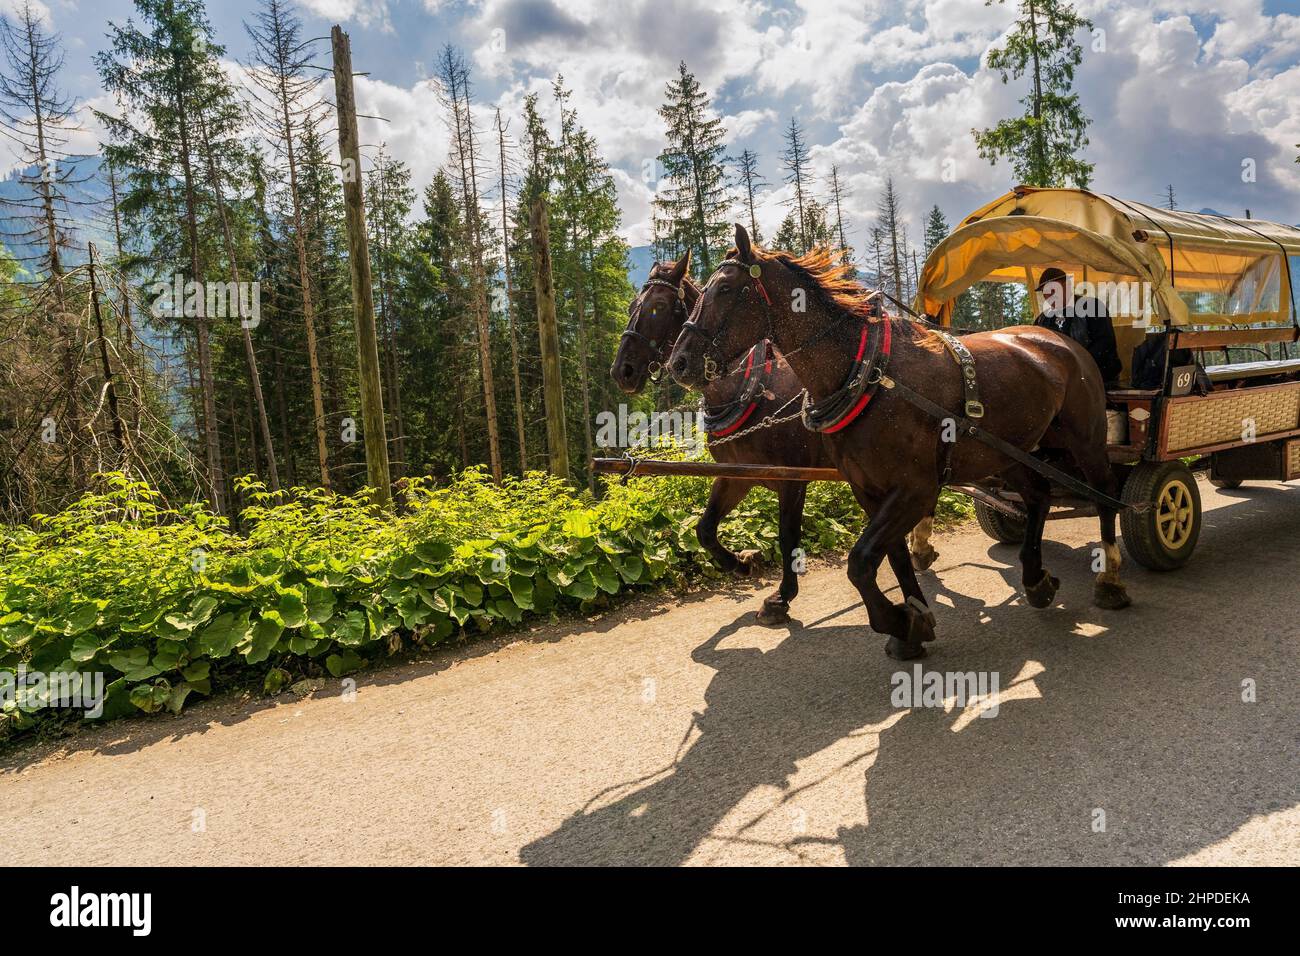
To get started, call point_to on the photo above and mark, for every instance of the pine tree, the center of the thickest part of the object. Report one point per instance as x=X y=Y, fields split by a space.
x=750 y=180
x=840 y=226
x=36 y=117
x=161 y=68
x=455 y=94
x=1044 y=143
x=893 y=234
x=693 y=200
x=1168 y=200
x=389 y=199
x=794 y=159
x=284 y=105
x=936 y=229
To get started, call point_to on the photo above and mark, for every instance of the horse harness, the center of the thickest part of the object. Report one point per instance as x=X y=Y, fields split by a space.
x=657 y=349
x=725 y=419
x=837 y=410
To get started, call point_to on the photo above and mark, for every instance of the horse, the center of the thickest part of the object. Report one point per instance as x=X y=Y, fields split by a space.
x=732 y=404
x=1040 y=390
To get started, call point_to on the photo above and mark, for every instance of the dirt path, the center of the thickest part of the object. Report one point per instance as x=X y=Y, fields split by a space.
x=683 y=733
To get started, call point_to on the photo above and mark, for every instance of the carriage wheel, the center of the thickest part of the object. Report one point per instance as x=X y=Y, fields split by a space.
x=999 y=525
x=1163 y=536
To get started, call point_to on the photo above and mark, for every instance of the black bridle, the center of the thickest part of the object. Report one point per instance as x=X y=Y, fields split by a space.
x=658 y=351
x=714 y=360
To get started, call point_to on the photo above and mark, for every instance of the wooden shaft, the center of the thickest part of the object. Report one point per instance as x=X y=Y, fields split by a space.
x=363 y=302
x=713 y=469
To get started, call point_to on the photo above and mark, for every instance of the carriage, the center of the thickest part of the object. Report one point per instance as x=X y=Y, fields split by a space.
x=1196 y=286
x=1210 y=288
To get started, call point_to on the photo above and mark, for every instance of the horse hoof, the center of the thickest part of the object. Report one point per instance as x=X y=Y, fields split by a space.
x=749 y=563
x=775 y=611
x=1040 y=595
x=924 y=560
x=920 y=622
x=1112 y=597
x=901 y=650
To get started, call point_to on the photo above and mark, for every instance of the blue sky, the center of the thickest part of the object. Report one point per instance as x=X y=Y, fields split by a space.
x=1182 y=92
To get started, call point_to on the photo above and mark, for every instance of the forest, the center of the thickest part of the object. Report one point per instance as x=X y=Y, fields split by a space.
x=197 y=361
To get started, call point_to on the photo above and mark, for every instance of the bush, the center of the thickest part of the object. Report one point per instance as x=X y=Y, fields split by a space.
x=161 y=602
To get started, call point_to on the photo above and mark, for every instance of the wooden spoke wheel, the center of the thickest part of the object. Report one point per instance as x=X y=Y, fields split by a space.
x=1161 y=536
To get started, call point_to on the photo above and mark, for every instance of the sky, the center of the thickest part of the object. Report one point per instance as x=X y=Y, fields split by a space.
x=1196 y=94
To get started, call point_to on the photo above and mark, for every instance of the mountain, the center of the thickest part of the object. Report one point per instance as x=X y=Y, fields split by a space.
x=640 y=260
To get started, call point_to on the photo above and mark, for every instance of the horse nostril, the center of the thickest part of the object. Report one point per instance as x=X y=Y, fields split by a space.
x=626 y=372
x=679 y=365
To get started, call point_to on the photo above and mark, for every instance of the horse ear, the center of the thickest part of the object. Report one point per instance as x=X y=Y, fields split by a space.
x=680 y=267
x=744 y=251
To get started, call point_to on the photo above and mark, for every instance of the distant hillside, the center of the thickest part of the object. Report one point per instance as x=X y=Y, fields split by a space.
x=87 y=193
x=640 y=260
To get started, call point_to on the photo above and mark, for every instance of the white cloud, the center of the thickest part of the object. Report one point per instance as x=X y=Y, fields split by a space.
x=365 y=13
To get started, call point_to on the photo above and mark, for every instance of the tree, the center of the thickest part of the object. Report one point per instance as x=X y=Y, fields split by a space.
x=36 y=116
x=693 y=200
x=503 y=166
x=838 y=195
x=893 y=229
x=1168 y=200
x=162 y=70
x=936 y=229
x=284 y=106
x=1043 y=145
x=750 y=180
x=794 y=159
x=817 y=230
x=455 y=94
x=389 y=199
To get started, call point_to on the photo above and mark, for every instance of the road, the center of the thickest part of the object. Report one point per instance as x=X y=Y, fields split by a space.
x=677 y=731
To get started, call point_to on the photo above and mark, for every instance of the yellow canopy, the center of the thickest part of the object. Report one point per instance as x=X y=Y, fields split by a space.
x=1186 y=268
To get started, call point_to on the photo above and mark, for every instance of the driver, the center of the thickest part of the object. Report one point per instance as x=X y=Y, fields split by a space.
x=1084 y=319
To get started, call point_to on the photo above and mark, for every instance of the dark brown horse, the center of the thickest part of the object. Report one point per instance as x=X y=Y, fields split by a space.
x=1041 y=391
x=655 y=318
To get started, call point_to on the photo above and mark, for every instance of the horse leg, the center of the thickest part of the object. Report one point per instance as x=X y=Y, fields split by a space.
x=923 y=553
x=1108 y=591
x=1086 y=442
x=1036 y=492
x=723 y=498
x=776 y=607
x=907 y=625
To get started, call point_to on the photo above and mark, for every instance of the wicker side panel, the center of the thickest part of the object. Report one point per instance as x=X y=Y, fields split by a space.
x=1215 y=420
x=1292 y=461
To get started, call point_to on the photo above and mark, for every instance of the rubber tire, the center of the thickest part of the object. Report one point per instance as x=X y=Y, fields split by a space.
x=1227 y=484
x=1141 y=540
x=998 y=525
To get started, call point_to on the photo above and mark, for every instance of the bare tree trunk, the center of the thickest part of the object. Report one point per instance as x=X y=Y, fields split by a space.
x=250 y=355
x=363 y=304
x=549 y=339
x=510 y=304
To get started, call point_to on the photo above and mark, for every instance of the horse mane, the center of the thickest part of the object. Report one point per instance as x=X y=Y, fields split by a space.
x=833 y=280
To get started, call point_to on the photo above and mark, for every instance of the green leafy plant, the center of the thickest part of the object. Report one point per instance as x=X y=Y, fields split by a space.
x=167 y=602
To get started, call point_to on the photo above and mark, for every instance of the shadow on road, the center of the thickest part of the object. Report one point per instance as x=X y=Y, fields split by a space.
x=1126 y=740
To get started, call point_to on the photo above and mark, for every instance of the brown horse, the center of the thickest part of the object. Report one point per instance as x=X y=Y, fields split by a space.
x=655 y=318
x=1041 y=390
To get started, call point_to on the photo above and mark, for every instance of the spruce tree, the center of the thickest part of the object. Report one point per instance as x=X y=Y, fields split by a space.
x=693 y=200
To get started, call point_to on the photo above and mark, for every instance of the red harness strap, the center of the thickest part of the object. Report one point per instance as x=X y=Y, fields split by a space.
x=866 y=398
x=749 y=368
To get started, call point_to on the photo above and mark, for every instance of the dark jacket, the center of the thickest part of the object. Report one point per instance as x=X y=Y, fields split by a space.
x=1086 y=321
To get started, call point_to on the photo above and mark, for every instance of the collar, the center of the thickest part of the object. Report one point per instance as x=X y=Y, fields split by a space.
x=725 y=419
x=837 y=410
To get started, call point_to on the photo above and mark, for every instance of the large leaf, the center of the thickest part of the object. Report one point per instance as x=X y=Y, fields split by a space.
x=266 y=632
x=224 y=634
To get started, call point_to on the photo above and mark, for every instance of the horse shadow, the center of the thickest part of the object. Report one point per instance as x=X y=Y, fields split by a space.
x=1118 y=737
